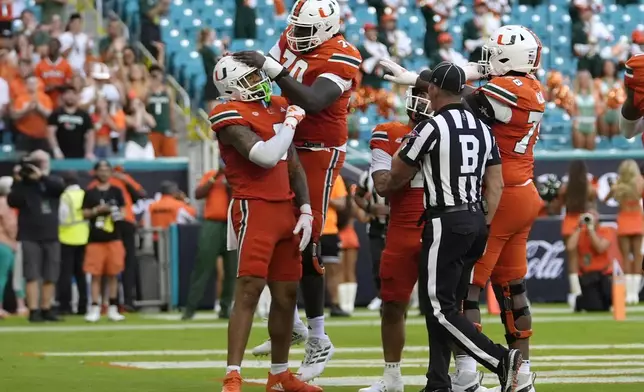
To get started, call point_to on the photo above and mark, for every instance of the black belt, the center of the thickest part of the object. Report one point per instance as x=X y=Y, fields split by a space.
x=433 y=211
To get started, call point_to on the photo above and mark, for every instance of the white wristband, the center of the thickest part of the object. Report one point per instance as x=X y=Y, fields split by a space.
x=290 y=122
x=306 y=209
x=272 y=67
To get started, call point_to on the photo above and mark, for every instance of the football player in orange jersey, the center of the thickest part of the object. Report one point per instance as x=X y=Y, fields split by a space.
x=255 y=131
x=316 y=69
x=631 y=122
x=399 y=261
x=512 y=103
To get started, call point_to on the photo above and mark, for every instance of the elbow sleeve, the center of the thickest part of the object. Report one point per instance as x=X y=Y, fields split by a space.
x=268 y=153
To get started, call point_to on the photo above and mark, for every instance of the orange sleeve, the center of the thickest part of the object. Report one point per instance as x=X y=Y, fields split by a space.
x=206 y=177
x=20 y=101
x=132 y=182
x=226 y=114
x=191 y=210
x=45 y=101
x=344 y=60
x=380 y=138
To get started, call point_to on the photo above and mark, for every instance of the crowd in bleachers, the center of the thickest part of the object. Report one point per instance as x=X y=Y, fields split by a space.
x=71 y=90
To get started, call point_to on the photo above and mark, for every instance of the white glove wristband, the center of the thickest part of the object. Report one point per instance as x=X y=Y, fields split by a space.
x=272 y=67
x=306 y=209
x=291 y=122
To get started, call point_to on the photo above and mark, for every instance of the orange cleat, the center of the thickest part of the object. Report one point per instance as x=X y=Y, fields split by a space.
x=232 y=382
x=287 y=382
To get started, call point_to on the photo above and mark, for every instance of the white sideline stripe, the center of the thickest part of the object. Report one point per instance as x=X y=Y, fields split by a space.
x=410 y=363
x=338 y=350
x=331 y=323
x=490 y=380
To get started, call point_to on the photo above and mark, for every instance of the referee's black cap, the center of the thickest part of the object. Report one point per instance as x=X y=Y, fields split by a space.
x=449 y=77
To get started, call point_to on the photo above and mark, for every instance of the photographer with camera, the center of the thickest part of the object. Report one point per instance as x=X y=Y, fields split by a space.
x=36 y=196
x=591 y=243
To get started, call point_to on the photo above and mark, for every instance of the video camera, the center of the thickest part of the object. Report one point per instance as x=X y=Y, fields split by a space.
x=27 y=165
x=587 y=219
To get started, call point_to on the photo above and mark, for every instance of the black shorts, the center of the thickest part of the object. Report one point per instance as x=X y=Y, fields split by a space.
x=330 y=251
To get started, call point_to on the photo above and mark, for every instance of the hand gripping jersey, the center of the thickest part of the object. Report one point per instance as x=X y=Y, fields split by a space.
x=248 y=180
x=518 y=107
x=634 y=79
x=336 y=60
x=406 y=205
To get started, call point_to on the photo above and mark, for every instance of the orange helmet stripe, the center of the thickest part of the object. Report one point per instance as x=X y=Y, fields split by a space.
x=298 y=7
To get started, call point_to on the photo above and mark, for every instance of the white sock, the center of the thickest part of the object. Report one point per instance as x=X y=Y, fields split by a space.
x=216 y=304
x=392 y=368
x=277 y=368
x=629 y=284
x=316 y=327
x=233 y=368
x=465 y=363
x=352 y=291
x=525 y=367
x=297 y=321
x=573 y=281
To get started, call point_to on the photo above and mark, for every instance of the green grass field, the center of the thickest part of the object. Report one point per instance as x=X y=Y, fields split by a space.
x=571 y=353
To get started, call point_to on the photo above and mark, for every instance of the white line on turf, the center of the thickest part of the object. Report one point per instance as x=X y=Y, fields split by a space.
x=489 y=380
x=329 y=323
x=338 y=350
x=408 y=363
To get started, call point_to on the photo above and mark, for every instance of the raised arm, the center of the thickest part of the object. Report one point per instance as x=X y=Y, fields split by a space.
x=268 y=153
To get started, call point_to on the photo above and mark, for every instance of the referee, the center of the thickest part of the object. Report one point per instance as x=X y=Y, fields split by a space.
x=456 y=153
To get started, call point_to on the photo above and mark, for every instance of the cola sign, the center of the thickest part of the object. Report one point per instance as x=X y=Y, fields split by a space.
x=547 y=269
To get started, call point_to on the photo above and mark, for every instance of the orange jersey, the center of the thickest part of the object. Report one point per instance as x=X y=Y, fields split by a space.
x=634 y=80
x=248 y=180
x=518 y=130
x=405 y=206
x=54 y=74
x=337 y=60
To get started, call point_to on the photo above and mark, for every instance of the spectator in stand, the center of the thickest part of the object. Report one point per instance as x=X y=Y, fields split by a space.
x=54 y=71
x=372 y=51
x=611 y=93
x=104 y=253
x=56 y=27
x=106 y=125
x=627 y=191
x=73 y=234
x=51 y=8
x=436 y=14
x=151 y=13
x=385 y=6
x=210 y=53
x=446 y=52
x=397 y=41
x=160 y=103
x=8 y=244
x=71 y=130
x=139 y=123
x=592 y=242
x=125 y=60
x=40 y=40
x=76 y=45
x=24 y=49
x=113 y=43
x=587 y=106
x=30 y=112
x=36 y=196
x=589 y=35
x=478 y=29
x=99 y=85
x=28 y=23
x=138 y=84
x=245 y=16
x=212 y=245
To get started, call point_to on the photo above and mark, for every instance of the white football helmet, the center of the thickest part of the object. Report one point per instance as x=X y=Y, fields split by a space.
x=417 y=104
x=238 y=82
x=311 y=23
x=511 y=48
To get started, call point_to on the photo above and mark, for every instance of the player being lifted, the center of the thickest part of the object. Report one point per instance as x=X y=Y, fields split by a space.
x=631 y=122
x=512 y=103
x=255 y=131
x=399 y=261
x=316 y=69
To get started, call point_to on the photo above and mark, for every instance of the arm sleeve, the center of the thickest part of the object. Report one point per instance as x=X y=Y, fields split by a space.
x=275 y=52
x=424 y=138
x=268 y=153
x=54 y=186
x=380 y=160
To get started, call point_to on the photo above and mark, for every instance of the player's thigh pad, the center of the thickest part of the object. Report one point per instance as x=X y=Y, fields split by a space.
x=321 y=167
x=258 y=231
x=399 y=264
x=286 y=263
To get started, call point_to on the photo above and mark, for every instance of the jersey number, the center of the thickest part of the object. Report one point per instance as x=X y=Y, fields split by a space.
x=299 y=67
x=470 y=153
x=277 y=128
x=522 y=145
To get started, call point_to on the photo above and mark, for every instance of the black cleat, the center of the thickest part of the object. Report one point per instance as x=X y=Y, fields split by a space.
x=337 y=312
x=509 y=371
x=50 y=315
x=35 y=316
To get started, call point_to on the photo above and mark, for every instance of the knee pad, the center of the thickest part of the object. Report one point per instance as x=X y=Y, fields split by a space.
x=512 y=310
x=311 y=260
x=472 y=305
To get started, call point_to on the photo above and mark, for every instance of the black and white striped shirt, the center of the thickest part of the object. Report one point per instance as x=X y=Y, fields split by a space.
x=453 y=149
